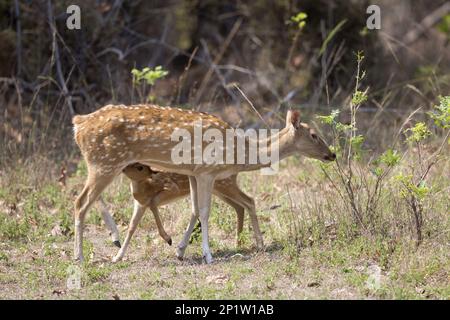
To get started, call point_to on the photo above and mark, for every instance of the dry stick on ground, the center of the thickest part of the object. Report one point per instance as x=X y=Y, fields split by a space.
x=217 y=59
x=55 y=53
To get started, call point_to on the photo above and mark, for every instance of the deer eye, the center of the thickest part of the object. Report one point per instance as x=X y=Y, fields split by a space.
x=140 y=168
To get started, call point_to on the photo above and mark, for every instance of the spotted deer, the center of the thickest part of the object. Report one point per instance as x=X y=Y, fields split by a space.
x=153 y=189
x=113 y=137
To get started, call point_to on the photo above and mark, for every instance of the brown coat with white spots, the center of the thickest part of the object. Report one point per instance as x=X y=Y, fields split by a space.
x=114 y=136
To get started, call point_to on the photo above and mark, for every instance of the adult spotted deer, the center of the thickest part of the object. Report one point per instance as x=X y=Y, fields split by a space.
x=115 y=136
x=153 y=189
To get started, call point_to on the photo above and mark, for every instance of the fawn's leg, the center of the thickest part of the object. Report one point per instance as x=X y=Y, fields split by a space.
x=194 y=216
x=138 y=212
x=236 y=198
x=154 y=207
x=249 y=204
x=240 y=210
x=95 y=184
x=109 y=222
x=205 y=186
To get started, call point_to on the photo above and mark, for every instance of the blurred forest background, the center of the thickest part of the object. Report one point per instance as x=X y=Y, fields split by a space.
x=220 y=55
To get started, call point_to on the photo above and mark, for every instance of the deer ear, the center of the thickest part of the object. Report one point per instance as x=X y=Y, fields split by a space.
x=293 y=118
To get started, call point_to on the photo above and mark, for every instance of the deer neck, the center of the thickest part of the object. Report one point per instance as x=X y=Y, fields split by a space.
x=277 y=143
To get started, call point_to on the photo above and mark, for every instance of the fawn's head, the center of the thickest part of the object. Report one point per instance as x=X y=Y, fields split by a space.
x=304 y=140
x=138 y=172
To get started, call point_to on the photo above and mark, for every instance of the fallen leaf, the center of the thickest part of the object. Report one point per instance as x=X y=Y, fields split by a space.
x=116 y=296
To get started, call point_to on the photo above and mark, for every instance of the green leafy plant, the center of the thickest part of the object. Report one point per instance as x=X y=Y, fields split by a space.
x=420 y=190
x=390 y=158
x=359 y=97
x=348 y=176
x=145 y=78
x=441 y=113
x=300 y=19
x=148 y=75
x=330 y=119
x=414 y=186
x=444 y=25
x=418 y=133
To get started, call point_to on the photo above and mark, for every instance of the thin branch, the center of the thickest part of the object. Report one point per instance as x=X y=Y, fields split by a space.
x=429 y=21
x=19 y=38
x=251 y=104
x=57 y=60
x=217 y=59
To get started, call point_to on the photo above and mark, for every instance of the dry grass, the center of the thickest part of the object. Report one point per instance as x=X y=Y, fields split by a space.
x=310 y=253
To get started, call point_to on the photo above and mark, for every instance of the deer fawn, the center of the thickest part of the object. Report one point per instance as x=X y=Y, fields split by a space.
x=113 y=137
x=153 y=189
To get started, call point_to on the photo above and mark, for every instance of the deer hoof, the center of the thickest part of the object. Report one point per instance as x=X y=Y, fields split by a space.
x=116 y=259
x=180 y=253
x=78 y=259
x=117 y=244
x=208 y=259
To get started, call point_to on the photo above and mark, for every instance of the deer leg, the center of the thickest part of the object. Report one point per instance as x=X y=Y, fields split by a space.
x=138 y=212
x=109 y=222
x=240 y=221
x=95 y=184
x=194 y=216
x=254 y=219
x=238 y=199
x=249 y=204
x=159 y=224
x=205 y=186
x=240 y=210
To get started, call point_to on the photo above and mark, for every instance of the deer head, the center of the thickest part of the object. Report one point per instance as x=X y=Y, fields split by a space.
x=138 y=172
x=303 y=140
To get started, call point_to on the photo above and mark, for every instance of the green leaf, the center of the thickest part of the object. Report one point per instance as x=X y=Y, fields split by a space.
x=390 y=158
x=359 y=97
x=441 y=113
x=299 y=19
x=148 y=75
x=418 y=133
x=330 y=119
x=330 y=36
